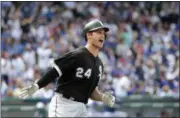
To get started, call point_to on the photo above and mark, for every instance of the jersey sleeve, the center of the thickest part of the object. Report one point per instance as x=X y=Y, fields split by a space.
x=63 y=63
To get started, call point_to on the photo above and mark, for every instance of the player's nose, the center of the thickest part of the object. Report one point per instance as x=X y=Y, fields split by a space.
x=103 y=36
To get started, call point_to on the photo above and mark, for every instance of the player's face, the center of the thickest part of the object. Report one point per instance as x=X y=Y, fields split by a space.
x=98 y=38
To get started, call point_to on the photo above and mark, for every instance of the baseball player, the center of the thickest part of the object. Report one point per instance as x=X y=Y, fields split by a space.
x=77 y=73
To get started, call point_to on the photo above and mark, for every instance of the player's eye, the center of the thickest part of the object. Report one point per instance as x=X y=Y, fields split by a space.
x=101 y=32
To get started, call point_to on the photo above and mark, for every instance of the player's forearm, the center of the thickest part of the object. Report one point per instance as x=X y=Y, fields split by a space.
x=47 y=78
x=96 y=95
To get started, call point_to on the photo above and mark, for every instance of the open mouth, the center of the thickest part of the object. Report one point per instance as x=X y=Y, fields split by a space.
x=101 y=41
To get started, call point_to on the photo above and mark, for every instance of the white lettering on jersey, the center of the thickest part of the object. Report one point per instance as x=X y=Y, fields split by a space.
x=100 y=72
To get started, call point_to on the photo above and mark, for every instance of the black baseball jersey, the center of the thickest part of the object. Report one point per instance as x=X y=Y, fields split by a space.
x=80 y=73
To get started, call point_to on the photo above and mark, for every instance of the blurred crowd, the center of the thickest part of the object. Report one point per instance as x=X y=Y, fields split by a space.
x=141 y=55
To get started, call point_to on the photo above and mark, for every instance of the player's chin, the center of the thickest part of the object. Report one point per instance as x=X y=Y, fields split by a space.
x=100 y=46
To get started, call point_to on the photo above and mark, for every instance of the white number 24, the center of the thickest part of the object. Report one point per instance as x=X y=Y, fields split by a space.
x=80 y=72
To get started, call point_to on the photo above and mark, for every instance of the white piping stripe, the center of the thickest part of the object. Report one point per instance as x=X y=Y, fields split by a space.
x=56 y=67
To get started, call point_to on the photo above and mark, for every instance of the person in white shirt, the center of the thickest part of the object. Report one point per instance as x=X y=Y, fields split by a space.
x=121 y=85
x=44 y=54
x=29 y=56
x=5 y=64
x=18 y=65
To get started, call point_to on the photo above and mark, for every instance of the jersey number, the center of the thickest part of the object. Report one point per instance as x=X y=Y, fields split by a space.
x=80 y=73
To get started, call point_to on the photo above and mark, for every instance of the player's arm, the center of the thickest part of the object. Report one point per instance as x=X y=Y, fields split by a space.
x=96 y=95
x=47 y=78
x=50 y=75
x=60 y=66
x=107 y=98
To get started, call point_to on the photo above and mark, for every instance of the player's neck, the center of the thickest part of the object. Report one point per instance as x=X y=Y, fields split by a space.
x=92 y=50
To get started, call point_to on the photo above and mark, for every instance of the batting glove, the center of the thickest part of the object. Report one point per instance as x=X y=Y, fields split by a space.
x=29 y=91
x=108 y=99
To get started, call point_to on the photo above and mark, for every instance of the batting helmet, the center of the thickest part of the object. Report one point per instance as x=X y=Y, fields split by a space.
x=94 y=25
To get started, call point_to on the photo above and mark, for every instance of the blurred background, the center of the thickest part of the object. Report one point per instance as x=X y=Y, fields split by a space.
x=141 y=55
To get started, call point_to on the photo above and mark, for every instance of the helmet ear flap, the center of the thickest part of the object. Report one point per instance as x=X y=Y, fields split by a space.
x=84 y=35
x=85 y=38
x=105 y=36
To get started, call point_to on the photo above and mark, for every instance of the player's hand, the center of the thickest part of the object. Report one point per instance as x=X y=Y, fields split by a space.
x=28 y=91
x=108 y=99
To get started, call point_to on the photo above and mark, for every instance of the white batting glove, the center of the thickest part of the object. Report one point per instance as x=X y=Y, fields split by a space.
x=108 y=99
x=29 y=91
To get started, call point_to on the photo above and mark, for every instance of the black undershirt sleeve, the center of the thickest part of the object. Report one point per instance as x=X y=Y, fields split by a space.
x=47 y=78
